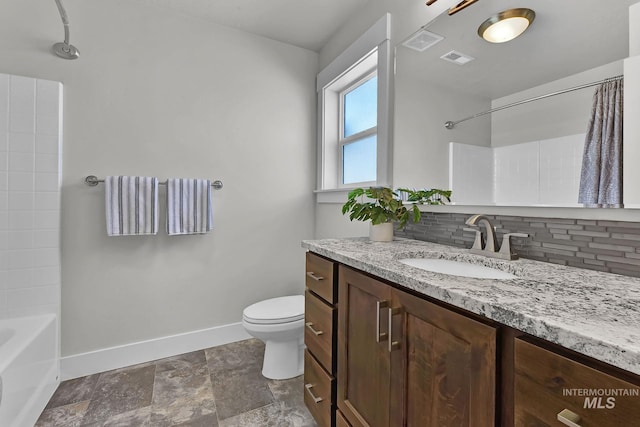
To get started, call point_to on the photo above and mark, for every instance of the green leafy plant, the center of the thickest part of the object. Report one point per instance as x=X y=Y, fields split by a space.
x=382 y=204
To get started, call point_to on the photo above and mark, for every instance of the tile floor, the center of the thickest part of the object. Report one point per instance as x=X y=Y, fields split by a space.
x=220 y=386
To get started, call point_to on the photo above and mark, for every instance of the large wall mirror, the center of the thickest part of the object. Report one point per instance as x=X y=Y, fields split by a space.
x=526 y=155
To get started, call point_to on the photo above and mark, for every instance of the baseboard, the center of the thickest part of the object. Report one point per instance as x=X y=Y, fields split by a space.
x=79 y=365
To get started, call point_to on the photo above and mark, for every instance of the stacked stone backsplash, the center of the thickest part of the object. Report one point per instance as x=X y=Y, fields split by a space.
x=610 y=246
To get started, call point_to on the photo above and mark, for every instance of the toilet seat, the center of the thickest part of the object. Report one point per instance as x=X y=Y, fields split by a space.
x=275 y=310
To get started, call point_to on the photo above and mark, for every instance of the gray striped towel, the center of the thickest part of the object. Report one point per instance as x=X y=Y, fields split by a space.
x=189 y=209
x=131 y=205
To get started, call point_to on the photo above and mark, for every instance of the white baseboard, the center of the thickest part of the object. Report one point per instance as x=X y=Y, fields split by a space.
x=79 y=365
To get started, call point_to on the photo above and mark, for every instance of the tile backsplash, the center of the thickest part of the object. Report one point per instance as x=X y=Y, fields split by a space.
x=610 y=246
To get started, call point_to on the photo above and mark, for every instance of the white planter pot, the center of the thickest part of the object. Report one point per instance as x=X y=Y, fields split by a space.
x=381 y=232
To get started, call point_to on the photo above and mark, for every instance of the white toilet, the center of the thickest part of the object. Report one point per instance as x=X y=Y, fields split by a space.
x=279 y=323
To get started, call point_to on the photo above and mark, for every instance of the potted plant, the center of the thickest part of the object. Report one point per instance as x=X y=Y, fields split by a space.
x=383 y=207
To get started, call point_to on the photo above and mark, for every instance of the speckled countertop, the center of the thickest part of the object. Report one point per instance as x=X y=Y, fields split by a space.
x=593 y=313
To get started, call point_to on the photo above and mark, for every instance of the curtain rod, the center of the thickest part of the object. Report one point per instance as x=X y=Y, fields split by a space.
x=451 y=125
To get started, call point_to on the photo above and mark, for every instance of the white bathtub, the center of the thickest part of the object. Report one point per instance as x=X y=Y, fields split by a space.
x=29 y=368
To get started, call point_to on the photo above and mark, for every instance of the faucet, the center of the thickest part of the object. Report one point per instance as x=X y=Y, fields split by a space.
x=490 y=247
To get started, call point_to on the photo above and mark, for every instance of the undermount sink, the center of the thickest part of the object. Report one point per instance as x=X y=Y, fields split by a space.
x=457 y=268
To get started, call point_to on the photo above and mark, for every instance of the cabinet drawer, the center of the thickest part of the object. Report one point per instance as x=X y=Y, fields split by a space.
x=318 y=386
x=320 y=277
x=547 y=384
x=318 y=332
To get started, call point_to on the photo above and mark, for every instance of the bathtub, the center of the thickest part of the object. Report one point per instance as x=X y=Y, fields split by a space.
x=29 y=368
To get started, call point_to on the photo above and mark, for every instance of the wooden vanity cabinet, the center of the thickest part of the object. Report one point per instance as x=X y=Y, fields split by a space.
x=554 y=391
x=320 y=338
x=378 y=356
x=404 y=361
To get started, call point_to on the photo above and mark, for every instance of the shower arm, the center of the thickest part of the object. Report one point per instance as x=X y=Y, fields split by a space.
x=65 y=21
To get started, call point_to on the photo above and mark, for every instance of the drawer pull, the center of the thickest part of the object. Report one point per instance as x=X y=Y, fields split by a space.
x=308 y=387
x=314 y=276
x=569 y=418
x=310 y=326
x=393 y=345
x=380 y=336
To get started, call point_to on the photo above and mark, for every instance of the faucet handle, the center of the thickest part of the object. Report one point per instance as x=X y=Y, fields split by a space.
x=477 y=243
x=516 y=235
x=505 y=248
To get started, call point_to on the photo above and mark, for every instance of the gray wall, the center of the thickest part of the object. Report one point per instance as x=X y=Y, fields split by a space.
x=421 y=141
x=562 y=115
x=156 y=93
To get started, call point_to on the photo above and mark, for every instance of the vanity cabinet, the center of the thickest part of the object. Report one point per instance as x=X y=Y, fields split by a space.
x=380 y=356
x=553 y=390
x=320 y=339
x=403 y=360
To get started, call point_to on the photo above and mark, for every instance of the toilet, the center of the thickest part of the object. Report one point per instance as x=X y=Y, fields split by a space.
x=279 y=323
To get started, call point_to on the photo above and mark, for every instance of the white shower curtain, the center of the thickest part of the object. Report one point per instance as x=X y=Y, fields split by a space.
x=601 y=177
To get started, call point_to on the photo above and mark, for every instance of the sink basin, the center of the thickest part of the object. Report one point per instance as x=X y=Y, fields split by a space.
x=457 y=268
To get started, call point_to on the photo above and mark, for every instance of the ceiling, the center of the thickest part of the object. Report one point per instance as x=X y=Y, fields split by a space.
x=565 y=38
x=305 y=23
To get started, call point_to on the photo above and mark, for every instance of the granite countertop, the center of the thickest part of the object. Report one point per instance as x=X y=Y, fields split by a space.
x=593 y=313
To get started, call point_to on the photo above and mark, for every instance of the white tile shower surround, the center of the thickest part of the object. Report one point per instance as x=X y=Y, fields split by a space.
x=545 y=172
x=30 y=136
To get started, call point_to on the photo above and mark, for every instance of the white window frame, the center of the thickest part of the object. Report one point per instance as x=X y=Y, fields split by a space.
x=375 y=40
x=342 y=141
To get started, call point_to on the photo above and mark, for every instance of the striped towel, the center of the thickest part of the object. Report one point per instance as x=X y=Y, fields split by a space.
x=189 y=208
x=131 y=205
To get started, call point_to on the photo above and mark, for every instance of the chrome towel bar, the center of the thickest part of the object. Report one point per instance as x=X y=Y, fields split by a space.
x=93 y=180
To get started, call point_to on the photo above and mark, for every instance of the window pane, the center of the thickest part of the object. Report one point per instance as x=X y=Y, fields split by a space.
x=359 y=161
x=361 y=108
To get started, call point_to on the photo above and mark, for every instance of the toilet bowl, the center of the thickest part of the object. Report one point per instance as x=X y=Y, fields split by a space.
x=279 y=323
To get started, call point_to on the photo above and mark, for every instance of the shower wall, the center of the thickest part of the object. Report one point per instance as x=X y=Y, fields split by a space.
x=30 y=137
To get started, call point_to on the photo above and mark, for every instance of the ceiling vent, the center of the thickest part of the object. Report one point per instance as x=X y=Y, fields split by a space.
x=457 y=57
x=422 y=40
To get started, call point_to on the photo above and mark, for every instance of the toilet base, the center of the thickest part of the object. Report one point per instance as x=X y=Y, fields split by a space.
x=283 y=359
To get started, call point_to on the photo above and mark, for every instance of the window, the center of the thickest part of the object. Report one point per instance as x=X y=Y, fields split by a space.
x=353 y=116
x=357 y=141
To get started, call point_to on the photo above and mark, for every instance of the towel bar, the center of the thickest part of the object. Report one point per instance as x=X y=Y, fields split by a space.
x=93 y=180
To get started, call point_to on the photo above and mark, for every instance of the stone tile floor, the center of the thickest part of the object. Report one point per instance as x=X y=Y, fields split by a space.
x=220 y=386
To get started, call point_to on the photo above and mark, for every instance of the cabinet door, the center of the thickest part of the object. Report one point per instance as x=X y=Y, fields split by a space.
x=443 y=371
x=363 y=359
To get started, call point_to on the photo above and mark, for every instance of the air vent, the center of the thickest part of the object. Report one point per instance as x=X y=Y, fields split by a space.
x=422 y=40
x=457 y=57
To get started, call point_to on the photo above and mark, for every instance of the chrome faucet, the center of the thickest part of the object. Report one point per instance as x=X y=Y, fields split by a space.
x=490 y=246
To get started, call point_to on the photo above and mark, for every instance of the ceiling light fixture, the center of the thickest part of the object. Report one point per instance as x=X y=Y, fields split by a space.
x=507 y=25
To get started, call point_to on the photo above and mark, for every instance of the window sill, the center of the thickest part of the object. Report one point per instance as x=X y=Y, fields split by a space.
x=333 y=195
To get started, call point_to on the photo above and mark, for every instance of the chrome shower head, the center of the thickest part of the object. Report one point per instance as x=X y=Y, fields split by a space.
x=65 y=49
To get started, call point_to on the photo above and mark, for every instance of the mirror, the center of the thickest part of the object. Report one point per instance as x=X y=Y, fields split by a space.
x=526 y=155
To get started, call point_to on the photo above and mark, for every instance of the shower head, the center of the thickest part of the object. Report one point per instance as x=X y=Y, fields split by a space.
x=64 y=49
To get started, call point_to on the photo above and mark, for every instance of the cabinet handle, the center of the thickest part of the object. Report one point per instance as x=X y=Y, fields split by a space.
x=308 y=387
x=393 y=345
x=310 y=326
x=314 y=276
x=380 y=336
x=569 y=418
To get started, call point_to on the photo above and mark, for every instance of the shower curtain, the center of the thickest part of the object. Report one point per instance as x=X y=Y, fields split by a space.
x=601 y=177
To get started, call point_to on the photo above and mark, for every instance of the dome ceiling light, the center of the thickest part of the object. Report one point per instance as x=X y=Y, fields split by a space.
x=507 y=25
